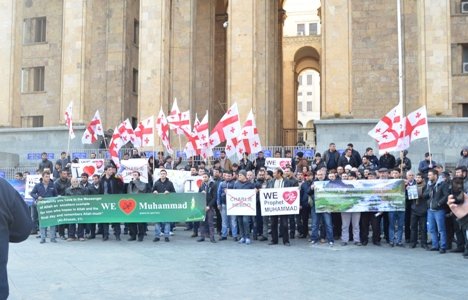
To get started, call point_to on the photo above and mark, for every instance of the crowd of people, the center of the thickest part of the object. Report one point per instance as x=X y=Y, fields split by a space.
x=427 y=221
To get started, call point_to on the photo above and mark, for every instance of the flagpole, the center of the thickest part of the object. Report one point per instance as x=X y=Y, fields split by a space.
x=400 y=78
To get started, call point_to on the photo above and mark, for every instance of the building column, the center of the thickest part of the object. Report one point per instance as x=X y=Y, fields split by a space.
x=336 y=59
x=219 y=102
x=153 y=69
x=252 y=63
x=73 y=58
x=435 y=63
x=7 y=61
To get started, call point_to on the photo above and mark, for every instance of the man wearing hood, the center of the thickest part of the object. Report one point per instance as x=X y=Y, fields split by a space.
x=464 y=158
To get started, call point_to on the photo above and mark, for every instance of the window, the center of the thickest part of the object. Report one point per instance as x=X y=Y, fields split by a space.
x=313 y=29
x=136 y=32
x=299 y=94
x=309 y=105
x=32 y=121
x=464 y=7
x=309 y=94
x=309 y=79
x=299 y=79
x=465 y=58
x=34 y=30
x=134 y=122
x=299 y=106
x=135 y=81
x=300 y=29
x=32 y=80
x=465 y=110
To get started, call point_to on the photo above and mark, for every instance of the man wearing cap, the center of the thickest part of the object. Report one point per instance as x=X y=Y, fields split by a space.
x=426 y=164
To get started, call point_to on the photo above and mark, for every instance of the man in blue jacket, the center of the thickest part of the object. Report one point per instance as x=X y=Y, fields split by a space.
x=15 y=226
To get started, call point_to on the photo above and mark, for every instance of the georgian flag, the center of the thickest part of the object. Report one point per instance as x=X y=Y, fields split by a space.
x=144 y=133
x=227 y=129
x=115 y=145
x=203 y=132
x=417 y=125
x=69 y=121
x=179 y=121
x=126 y=132
x=249 y=140
x=389 y=131
x=162 y=128
x=93 y=130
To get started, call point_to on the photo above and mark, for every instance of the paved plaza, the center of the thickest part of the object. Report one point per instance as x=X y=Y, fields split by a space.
x=185 y=269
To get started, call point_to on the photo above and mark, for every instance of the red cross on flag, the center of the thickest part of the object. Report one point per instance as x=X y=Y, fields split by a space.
x=389 y=131
x=126 y=132
x=179 y=121
x=248 y=140
x=69 y=121
x=144 y=133
x=228 y=128
x=115 y=145
x=203 y=133
x=93 y=129
x=417 y=125
x=162 y=128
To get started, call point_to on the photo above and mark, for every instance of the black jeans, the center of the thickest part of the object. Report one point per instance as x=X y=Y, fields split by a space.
x=283 y=227
x=418 y=227
x=115 y=226
x=137 y=229
x=366 y=219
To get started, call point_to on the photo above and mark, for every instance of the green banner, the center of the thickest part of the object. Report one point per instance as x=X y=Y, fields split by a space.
x=378 y=195
x=122 y=208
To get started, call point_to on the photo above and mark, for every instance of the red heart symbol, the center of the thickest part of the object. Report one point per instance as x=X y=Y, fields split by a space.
x=284 y=163
x=89 y=170
x=199 y=182
x=290 y=197
x=127 y=205
x=99 y=163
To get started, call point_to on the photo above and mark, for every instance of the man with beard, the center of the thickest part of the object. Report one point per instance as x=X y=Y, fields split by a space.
x=136 y=186
x=41 y=190
x=418 y=212
x=75 y=190
x=397 y=217
x=163 y=186
x=207 y=226
x=316 y=217
x=61 y=184
x=291 y=181
x=110 y=185
x=227 y=221
x=304 y=212
x=94 y=189
x=278 y=182
x=244 y=221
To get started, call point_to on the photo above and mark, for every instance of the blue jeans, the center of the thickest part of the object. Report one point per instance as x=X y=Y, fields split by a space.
x=157 y=229
x=399 y=218
x=43 y=231
x=232 y=220
x=244 y=226
x=436 y=226
x=315 y=225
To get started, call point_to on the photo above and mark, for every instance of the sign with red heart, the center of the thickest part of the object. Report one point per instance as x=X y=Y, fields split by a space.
x=290 y=197
x=284 y=163
x=89 y=170
x=199 y=182
x=127 y=205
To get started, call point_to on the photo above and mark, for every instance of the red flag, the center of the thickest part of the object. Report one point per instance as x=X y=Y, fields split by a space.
x=115 y=145
x=227 y=129
x=144 y=133
x=179 y=121
x=69 y=120
x=126 y=132
x=249 y=140
x=93 y=130
x=162 y=127
x=417 y=125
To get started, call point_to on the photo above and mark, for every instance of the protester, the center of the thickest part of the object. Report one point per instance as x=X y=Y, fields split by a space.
x=15 y=226
x=41 y=190
x=207 y=226
x=163 y=186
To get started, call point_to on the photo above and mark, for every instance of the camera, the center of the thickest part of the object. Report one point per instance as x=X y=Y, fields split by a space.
x=457 y=190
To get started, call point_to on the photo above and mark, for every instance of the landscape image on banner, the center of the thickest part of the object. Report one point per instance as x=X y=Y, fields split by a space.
x=360 y=196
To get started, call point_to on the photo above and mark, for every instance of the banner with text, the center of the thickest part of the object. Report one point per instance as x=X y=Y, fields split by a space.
x=177 y=177
x=88 y=166
x=241 y=202
x=127 y=167
x=280 y=201
x=272 y=163
x=123 y=208
x=31 y=181
x=360 y=195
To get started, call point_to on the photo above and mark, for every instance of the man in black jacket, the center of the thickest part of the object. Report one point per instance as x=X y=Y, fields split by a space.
x=110 y=185
x=15 y=226
x=207 y=226
x=461 y=212
x=163 y=186
x=136 y=186
x=436 y=194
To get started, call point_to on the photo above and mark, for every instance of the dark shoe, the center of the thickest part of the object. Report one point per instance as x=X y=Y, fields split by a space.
x=212 y=240
x=105 y=238
x=132 y=239
x=364 y=243
x=357 y=244
x=166 y=239
x=400 y=245
x=432 y=249
x=33 y=232
x=344 y=244
x=291 y=236
x=465 y=254
x=262 y=239
x=442 y=251
x=287 y=244
x=407 y=241
x=377 y=243
x=156 y=239
x=91 y=237
x=236 y=239
x=302 y=236
x=272 y=243
x=413 y=245
x=223 y=238
x=140 y=239
x=201 y=239
x=42 y=241
x=194 y=235
x=117 y=237
x=457 y=250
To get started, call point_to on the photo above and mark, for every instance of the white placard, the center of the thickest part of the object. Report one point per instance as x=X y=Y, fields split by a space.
x=241 y=202
x=177 y=177
x=272 y=163
x=281 y=201
x=134 y=164
x=88 y=166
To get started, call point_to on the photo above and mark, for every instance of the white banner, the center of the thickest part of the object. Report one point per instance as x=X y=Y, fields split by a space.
x=88 y=166
x=134 y=164
x=241 y=202
x=192 y=184
x=272 y=163
x=177 y=177
x=31 y=181
x=281 y=201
